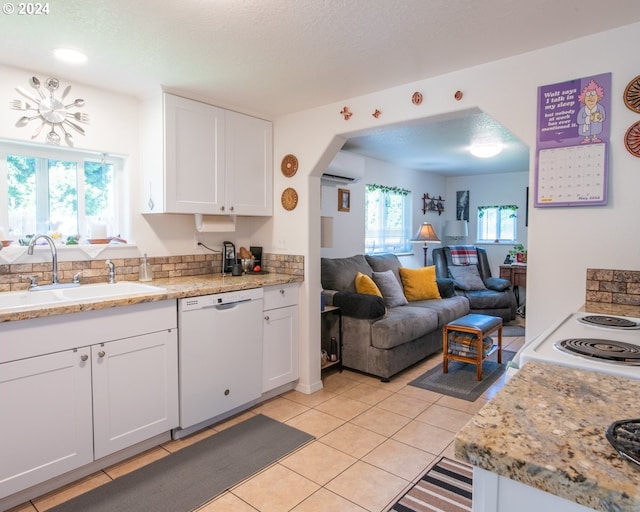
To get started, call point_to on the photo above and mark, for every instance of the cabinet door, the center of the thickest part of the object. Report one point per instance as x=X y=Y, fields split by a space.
x=280 y=347
x=194 y=156
x=249 y=165
x=135 y=389
x=46 y=409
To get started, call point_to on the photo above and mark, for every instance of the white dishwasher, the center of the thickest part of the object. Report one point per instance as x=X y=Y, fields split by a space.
x=220 y=355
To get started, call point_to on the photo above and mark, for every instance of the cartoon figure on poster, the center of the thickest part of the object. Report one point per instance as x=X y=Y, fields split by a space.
x=592 y=114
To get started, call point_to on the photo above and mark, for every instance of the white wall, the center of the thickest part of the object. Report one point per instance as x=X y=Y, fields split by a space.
x=487 y=190
x=561 y=241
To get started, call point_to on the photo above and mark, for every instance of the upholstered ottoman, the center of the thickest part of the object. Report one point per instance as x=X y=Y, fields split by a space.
x=467 y=340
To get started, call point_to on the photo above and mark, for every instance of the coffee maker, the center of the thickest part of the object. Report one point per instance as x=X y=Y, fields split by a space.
x=228 y=257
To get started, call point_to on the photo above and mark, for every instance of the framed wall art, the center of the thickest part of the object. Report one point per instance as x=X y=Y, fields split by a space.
x=344 y=200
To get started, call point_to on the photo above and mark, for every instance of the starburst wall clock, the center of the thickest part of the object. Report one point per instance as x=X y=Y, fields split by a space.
x=50 y=111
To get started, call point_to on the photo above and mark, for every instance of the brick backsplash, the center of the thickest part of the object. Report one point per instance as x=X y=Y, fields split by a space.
x=127 y=269
x=613 y=286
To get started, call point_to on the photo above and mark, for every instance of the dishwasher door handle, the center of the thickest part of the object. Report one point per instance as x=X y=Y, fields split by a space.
x=230 y=305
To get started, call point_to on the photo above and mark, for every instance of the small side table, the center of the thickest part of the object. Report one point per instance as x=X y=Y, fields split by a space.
x=333 y=310
x=480 y=326
x=517 y=274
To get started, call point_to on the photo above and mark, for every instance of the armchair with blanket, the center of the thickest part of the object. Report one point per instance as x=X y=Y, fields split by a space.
x=468 y=267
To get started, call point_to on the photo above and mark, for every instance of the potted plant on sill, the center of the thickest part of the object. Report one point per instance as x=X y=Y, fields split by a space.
x=519 y=253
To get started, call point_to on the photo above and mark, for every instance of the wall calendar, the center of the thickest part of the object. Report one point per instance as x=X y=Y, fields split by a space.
x=573 y=142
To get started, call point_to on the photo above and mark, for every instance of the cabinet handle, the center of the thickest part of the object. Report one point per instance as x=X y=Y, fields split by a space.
x=266 y=318
x=84 y=357
x=222 y=208
x=231 y=208
x=102 y=353
x=281 y=291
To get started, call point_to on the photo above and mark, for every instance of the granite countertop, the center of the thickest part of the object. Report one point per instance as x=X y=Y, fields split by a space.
x=546 y=428
x=176 y=288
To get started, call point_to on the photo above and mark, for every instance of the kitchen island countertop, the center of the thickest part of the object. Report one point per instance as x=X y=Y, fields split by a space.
x=175 y=288
x=546 y=429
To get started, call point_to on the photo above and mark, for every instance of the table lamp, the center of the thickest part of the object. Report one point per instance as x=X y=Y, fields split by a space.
x=425 y=234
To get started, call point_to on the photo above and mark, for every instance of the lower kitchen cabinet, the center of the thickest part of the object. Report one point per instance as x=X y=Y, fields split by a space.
x=47 y=425
x=65 y=409
x=280 y=336
x=135 y=390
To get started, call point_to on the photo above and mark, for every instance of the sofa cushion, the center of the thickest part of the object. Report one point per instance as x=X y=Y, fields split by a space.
x=383 y=262
x=467 y=277
x=419 y=283
x=339 y=273
x=364 y=284
x=446 y=287
x=391 y=289
x=447 y=309
x=488 y=299
x=359 y=305
x=402 y=325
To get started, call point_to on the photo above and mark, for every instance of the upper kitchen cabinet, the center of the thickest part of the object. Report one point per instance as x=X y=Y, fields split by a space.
x=197 y=158
x=249 y=168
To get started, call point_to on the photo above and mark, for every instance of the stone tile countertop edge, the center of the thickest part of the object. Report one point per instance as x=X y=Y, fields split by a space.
x=546 y=429
x=175 y=288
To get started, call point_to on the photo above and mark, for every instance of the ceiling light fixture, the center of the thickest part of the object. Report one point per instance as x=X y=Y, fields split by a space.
x=70 y=56
x=486 y=150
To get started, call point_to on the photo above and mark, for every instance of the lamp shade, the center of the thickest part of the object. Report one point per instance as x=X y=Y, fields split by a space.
x=425 y=233
x=456 y=228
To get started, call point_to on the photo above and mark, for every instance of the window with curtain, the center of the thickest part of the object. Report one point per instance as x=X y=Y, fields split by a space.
x=57 y=191
x=387 y=220
x=497 y=224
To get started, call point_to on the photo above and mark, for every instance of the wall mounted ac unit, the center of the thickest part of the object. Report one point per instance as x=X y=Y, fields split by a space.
x=345 y=169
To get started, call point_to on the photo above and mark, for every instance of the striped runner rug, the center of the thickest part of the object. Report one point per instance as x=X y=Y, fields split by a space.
x=446 y=487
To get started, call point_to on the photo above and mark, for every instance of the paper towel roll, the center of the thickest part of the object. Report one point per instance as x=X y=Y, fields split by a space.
x=214 y=223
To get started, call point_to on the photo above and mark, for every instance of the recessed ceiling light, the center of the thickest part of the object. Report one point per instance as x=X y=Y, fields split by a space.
x=70 y=56
x=486 y=150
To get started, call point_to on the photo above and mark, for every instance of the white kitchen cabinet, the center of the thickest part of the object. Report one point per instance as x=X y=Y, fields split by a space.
x=135 y=390
x=71 y=402
x=47 y=425
x=495 y=493
x=280 y=336
x=197 y=158
x=248 y=165
x=194 y=156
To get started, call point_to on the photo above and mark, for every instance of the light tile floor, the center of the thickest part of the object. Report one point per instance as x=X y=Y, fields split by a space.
x=373 y=440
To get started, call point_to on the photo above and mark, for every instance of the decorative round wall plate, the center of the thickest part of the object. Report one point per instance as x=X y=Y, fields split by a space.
x=632 y=139
x=632 y=95
x=289 y=165
x=289 y=199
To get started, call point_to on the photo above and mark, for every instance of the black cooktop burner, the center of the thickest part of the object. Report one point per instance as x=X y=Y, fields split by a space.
x=613 y=322
x=608 y=350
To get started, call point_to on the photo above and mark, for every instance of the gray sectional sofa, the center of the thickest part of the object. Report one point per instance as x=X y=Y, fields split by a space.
x=381 y=340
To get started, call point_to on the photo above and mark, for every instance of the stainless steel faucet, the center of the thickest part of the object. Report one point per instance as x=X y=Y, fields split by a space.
x=54 y=254
x=112 y=271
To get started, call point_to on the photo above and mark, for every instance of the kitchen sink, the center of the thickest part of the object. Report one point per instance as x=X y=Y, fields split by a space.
x=83 y=293
x=107 y=291
x=22 y=299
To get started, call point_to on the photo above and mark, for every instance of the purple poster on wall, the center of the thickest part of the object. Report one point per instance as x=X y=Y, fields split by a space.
x=573 y=139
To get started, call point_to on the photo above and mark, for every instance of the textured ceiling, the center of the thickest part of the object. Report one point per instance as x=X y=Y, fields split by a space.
x=272 y=57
